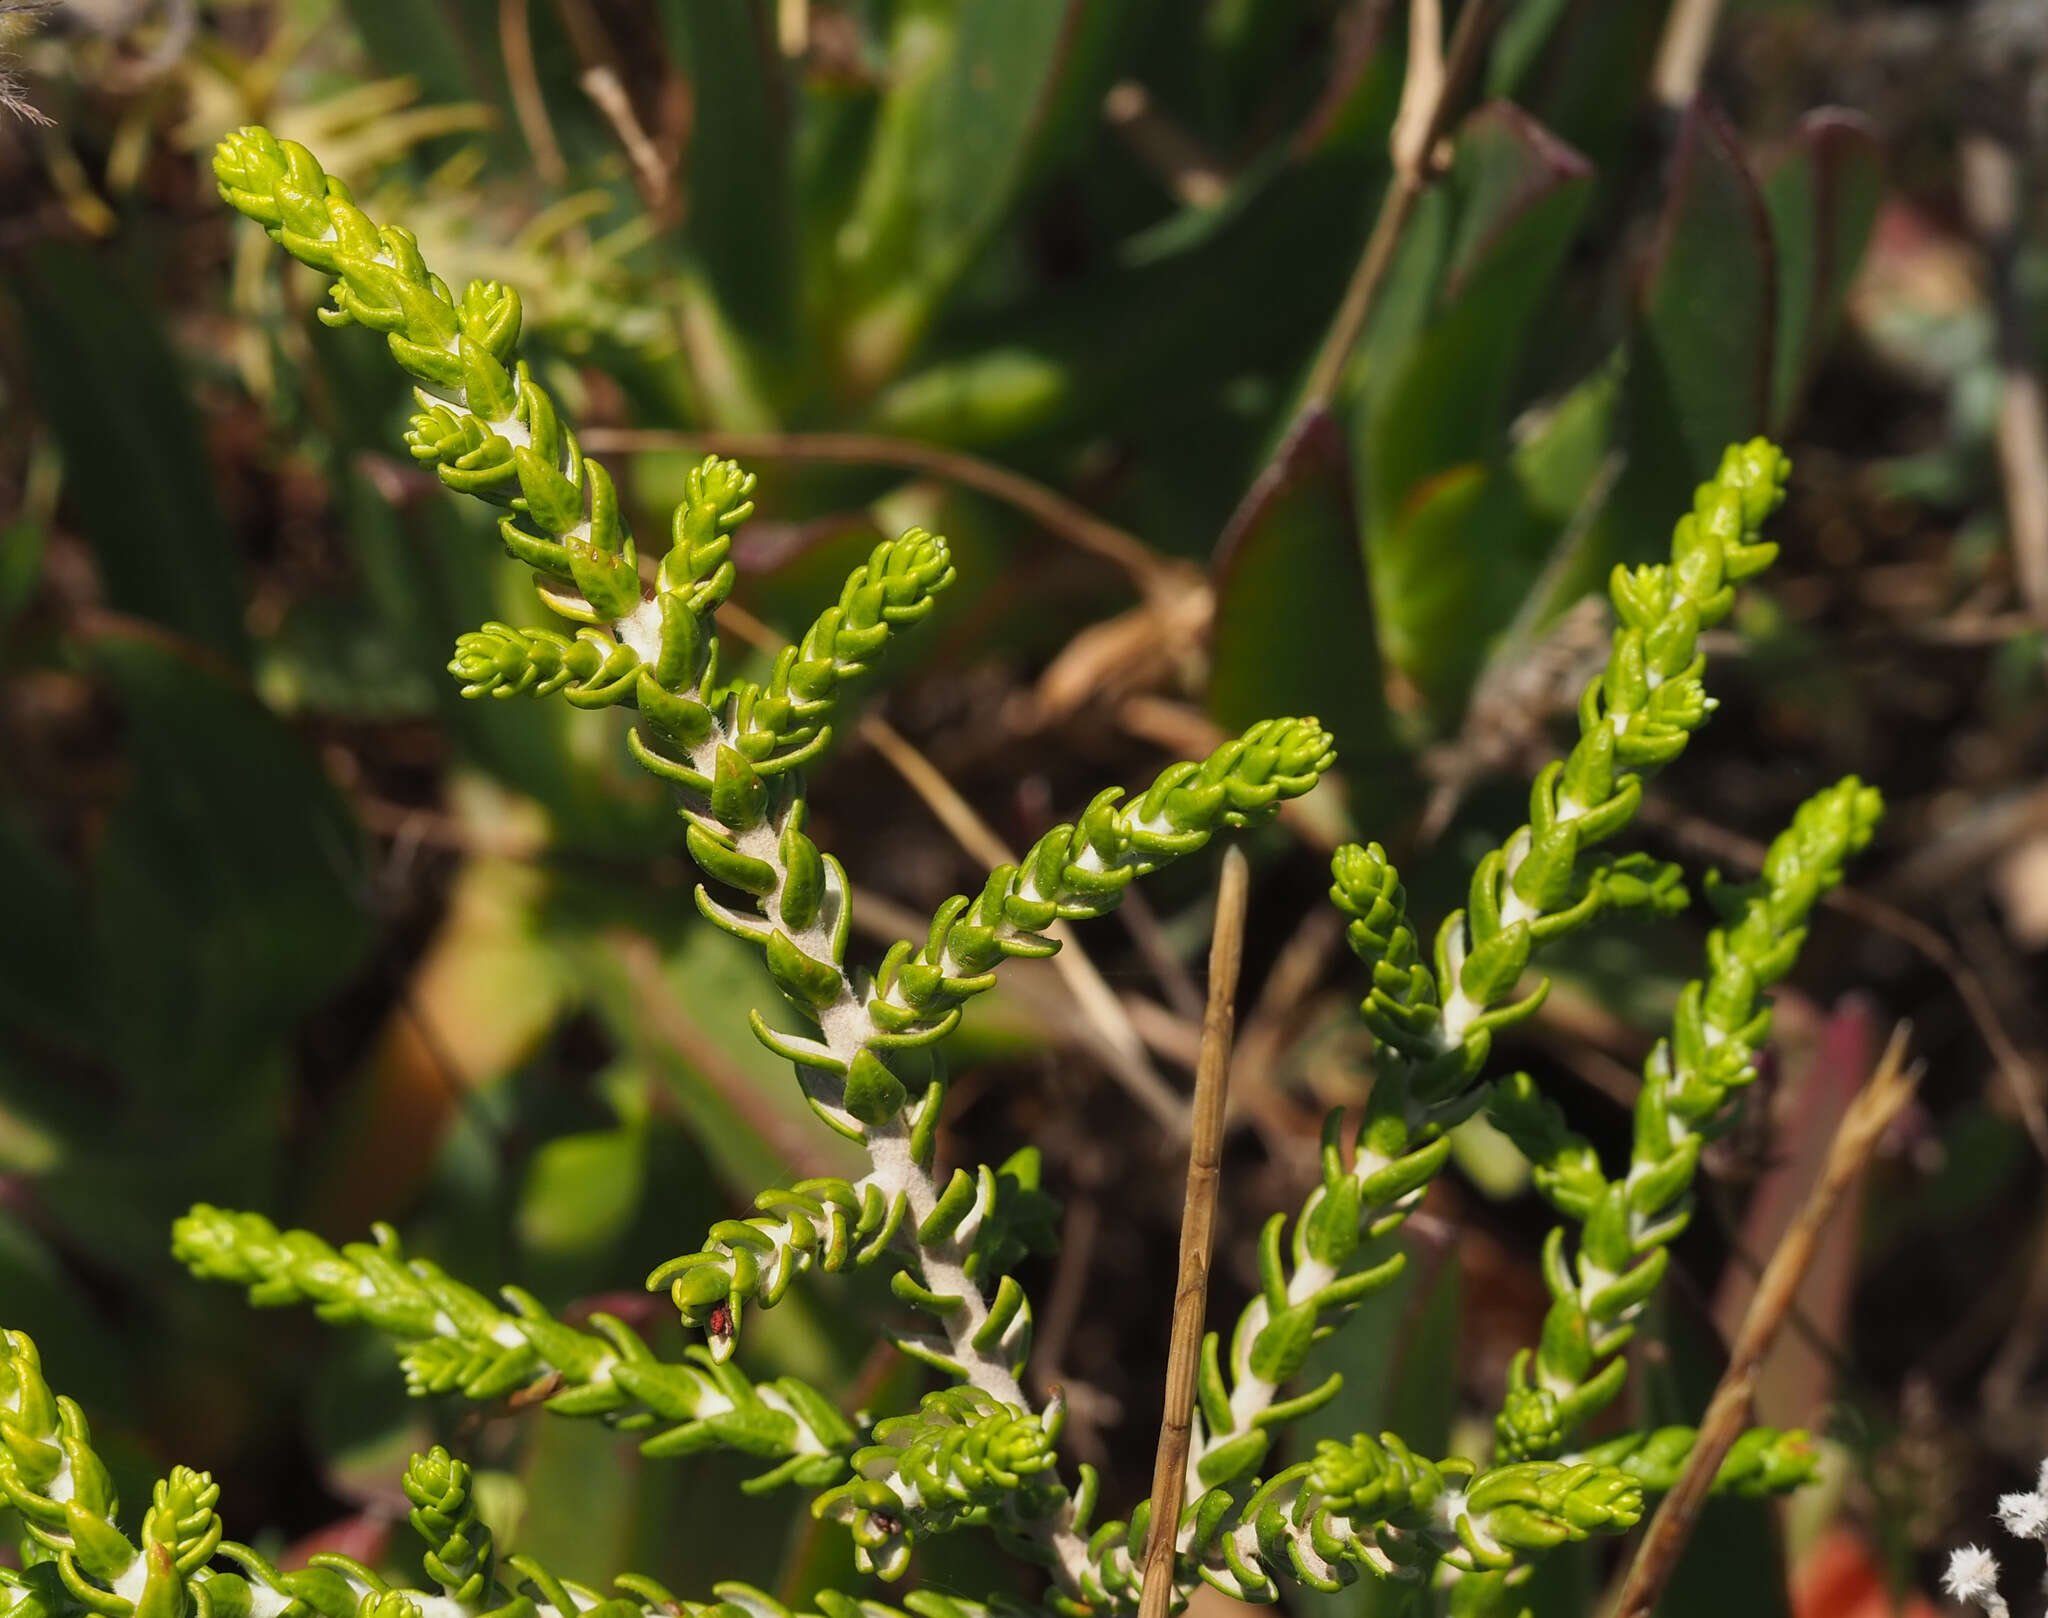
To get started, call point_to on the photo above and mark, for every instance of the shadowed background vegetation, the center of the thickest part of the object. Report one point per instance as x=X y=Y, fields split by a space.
x=1227 y=409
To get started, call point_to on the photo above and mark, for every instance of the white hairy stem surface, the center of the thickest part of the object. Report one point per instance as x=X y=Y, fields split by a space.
x=1249 y=1393
x=846 y=1027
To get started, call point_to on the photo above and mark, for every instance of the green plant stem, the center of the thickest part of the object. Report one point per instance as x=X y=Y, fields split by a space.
x=1873 y=1111
x=1690 y=1084
x=1434 y=1022
x=734 y=753
x=454 y=1340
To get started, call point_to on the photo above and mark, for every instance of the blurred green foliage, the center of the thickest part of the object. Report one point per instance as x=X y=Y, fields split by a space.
x=218 y=980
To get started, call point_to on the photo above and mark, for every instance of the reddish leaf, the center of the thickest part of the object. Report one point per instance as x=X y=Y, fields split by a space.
x=1507 y=164
x=1821 y=1080
x=1839 y=1578
x=366 y=1536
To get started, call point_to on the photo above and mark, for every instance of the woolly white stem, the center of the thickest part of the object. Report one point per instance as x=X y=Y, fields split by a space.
x=847 y=1027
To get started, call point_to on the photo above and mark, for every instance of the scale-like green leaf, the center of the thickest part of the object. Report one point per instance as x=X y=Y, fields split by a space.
x=1399 y=1356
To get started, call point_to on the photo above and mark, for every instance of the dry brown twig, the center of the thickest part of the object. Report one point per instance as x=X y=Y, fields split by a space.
x=1166 y=1035
x=603 y=80
x=1175 y=981
x=650 y=173
x=1156 y=644
x=1096 y=1000
x=1993 y=197
x=1875 y=1108
x=1434 y=79
x=793 y=27
x=1165 y=146
x=1682 y=51
x=529 y=105
x=1197 y=1234
x=1152 y=574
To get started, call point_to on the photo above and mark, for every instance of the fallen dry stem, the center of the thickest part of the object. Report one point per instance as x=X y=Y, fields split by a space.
x=1430 y=88
x=1153 y=575
x=1165 y=146
x=793 y=27
x=1994 y=201
x=1175 y=982
x=603 y=85
x=1096 y=1000
x=529 y=105
x=1682 y=52
x=1197 y=1234
x=1869 y=1116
